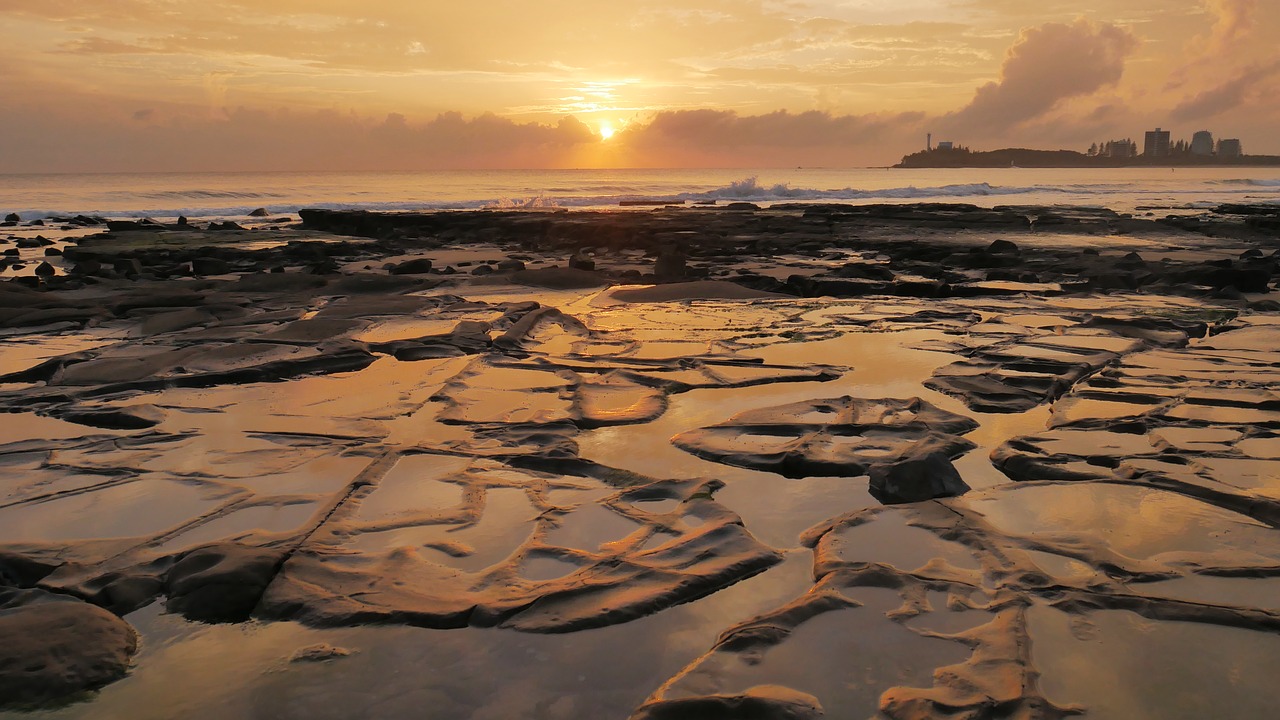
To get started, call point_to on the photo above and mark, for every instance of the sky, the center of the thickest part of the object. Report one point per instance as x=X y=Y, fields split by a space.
x=187 y=85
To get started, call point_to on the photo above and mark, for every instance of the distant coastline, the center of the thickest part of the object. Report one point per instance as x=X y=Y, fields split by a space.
x=1024 y=158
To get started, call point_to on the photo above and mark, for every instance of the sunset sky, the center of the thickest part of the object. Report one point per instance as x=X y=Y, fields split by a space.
x=124 y=85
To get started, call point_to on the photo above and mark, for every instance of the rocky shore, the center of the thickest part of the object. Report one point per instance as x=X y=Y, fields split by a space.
x=901 y=461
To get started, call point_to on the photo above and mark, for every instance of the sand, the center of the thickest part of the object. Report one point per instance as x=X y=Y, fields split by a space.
x=906 y=462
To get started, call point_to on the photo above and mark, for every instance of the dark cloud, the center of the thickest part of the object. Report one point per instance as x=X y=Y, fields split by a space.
x=1047 y=65
x=251 y=139
x=1229 y=95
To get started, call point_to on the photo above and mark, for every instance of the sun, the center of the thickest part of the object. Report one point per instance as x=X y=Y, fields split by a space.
x=606 y=131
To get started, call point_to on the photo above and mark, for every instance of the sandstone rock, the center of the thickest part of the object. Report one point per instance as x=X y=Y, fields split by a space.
x=52 y=646
x=916 y=478
x=221 y=583
x=768 y=702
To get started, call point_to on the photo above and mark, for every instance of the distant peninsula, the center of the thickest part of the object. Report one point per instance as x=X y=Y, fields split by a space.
x=961 y=157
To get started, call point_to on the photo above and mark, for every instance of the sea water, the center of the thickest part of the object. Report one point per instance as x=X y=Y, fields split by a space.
x=209 y=195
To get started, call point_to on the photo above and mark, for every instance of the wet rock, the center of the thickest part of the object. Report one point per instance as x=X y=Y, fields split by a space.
x=510 y=265
x=1003 y=247
x=221 y=583
x=481 y=270
x=44 y=269
x=52 y=646
x=259 y=213
x=318 y=653
x=210 y=266
x=581 y=262
x=135 y=417
x=669 y=266
x=128 y=267
x=417 y=266
x=13 y=218
x=765 y=702
x=52 y=252
x=915 y=479
x=841 y=437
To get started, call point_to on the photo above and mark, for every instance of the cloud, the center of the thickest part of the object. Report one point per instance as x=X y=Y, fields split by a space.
x=1234 y=20
x=1047 y=65
x=725 y=128
x=1247 y=84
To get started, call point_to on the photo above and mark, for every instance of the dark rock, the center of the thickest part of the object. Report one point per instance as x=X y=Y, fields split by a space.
x=86 y=267
x=417 y=266
x=133 y=226
x=221 y=583
x=511 y=265
x=670 y=266
x=865 y=271
x=52 y=252
x=210 y=266
x=260 y=212
x=44 y=269
x=134 y=417
x=582 y=262
x=37 y=223
x=182 y=221
x=915 y=479
x=482 y=270
x=28 y=243
x=13 y=218
x=53 y=646
x=1003 y=247
x=228 y=225
x=128 y=267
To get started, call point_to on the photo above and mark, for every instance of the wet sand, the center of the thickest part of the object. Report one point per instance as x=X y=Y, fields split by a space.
x=796 y=462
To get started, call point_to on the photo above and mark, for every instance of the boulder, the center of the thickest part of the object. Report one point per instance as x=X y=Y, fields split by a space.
x=916 y=478
x=44 y=269
x=1003 y=247
x=260 y=212
x=53 y=646
x=221 y=583
x=511 y=265
x=417 y=266
x=13 y=218
x=582 y=262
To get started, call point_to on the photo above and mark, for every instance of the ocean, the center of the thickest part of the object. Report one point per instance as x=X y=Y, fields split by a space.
x=231 y=195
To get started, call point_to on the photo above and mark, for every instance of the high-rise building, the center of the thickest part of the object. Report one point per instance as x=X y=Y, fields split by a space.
x=1157 y=143
x=1230 y=148
x=1122 y=149
x=1202 y=143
